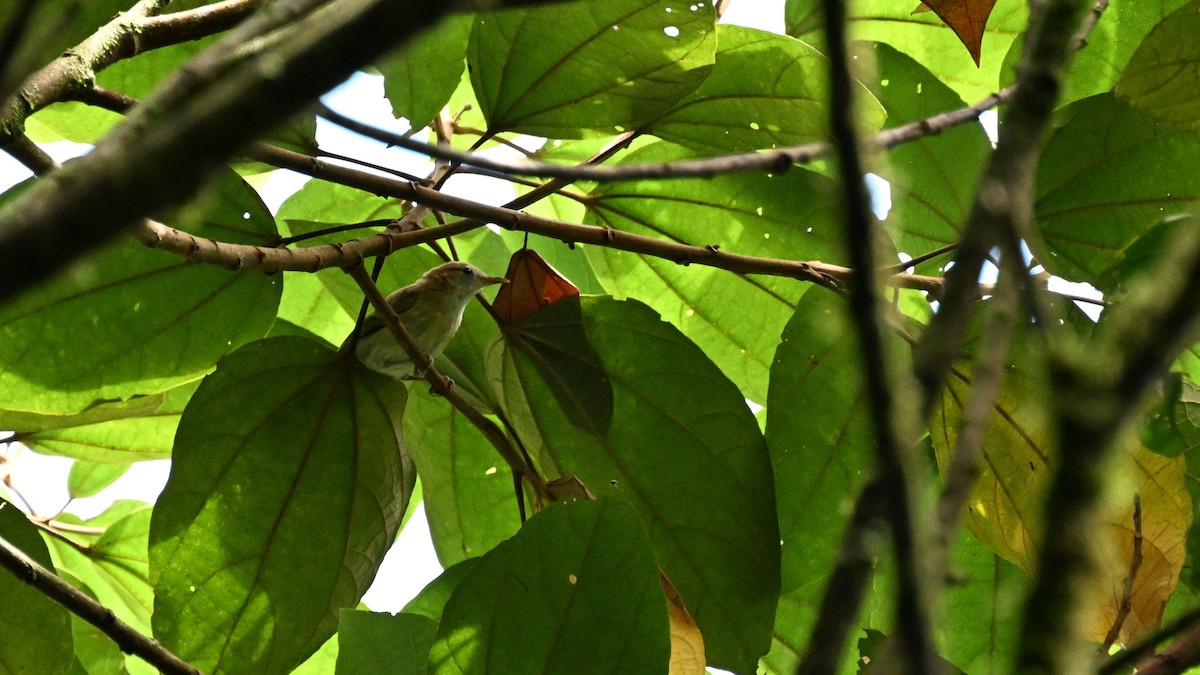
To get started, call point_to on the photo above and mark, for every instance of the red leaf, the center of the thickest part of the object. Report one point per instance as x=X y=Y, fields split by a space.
x=532 y=284
x=967 y=18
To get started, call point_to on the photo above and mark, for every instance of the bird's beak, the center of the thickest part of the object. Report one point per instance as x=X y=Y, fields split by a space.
x=488 y=281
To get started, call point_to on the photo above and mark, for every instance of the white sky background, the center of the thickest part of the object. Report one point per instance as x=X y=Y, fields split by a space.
x=411 y=562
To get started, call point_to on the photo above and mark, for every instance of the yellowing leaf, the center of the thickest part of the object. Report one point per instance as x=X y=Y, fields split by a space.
x=1006 y=507
x=1166 y=517
x=687 y=644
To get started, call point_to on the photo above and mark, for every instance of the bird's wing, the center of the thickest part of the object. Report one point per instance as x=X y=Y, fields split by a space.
x=403 y=300
x=372 y=324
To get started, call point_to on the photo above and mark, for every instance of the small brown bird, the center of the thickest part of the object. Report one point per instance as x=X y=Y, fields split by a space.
x=431 y=308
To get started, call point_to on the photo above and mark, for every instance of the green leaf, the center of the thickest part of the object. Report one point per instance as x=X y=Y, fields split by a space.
x=134 y=406
x=924 y=37
x=982 y=609
x=307 y=303
x=420 y=76
x=289 y=481
x=119 y=441
x=1005 y=509
x=431 y=601
x=1107 y=177
x=1162 y=79
x=114 y=567
x=95 y=652
x=1110 y=46
x=322 y=662
x=130 y=320
x=677 y=438
x=36 y=630
x=781 y=216
x=576 y=590
x=391 y=644
x=559 y=70
x=468 y=489
x=820 y=438
x=72 y=121
x=87 y=478
x=765 y=90
x=931 y=193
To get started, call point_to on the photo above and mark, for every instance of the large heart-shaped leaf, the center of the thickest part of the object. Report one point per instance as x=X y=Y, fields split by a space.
x=1108 y=176
x=289 y=481
x=1006 y=507
x=931 y=193
x=420 y=76
x=819 y=434
x=468 y=491
x=115 y=565
x=120 y=441
x=129 y=320
x=576 y=590
x=776 y=87
x=1162 y=78
x=604 y=390
x=787 y=216
x=924 y=37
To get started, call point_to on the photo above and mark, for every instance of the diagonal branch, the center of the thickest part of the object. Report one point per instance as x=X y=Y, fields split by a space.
x=444 y=387
x=127 y=638
x=225 y=97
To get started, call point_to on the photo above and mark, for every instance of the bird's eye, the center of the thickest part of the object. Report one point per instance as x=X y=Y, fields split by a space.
x=468 y=271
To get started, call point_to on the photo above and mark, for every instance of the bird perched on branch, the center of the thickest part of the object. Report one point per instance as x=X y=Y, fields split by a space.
x=431 y=309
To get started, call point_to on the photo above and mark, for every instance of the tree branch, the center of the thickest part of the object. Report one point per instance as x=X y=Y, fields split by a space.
x=192 y=24
x=129 y=34
x=1098 y=388
x=842 y=600
x=895 y=424
x=778 y=159
x=1122 y=661
x=221 y=100
x=1003 y=204
x=128 y=639
x=1135 y=564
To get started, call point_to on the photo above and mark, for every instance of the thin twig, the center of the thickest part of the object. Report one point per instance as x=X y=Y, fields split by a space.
x=913 y=262
x=775 y=160
x=1135 y=564
x=126 y=637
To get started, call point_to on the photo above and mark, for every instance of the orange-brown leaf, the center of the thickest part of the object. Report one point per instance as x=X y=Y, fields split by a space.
x=967 y=18
x=532 y=284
